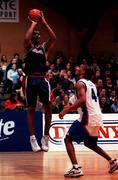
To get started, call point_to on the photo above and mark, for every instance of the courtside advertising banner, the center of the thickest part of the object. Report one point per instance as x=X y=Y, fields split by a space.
x=9 y=11
x=14 y=134
x=108 y=134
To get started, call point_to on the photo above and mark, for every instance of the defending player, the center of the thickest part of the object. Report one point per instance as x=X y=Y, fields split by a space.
x=86 y=129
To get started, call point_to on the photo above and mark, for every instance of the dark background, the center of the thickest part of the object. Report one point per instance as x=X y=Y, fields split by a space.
x=83 y=14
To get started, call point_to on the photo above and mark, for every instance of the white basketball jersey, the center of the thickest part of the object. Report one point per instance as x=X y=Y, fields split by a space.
x=92 y=104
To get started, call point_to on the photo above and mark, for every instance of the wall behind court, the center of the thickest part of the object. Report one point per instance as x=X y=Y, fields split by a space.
x=68 y=39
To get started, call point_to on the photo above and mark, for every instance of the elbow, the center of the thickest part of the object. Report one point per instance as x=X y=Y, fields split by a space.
x=54 y=38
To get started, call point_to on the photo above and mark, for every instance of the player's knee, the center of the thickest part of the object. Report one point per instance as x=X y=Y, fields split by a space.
x=90 y=144
x=67 y=139
x=86 y=144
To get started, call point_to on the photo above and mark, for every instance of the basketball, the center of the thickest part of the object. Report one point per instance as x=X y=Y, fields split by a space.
x=34 y=15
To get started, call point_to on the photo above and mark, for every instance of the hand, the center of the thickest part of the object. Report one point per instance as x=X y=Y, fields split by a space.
x=61 y=115
x=33 y=22
x=63 y=112
x=43 y=18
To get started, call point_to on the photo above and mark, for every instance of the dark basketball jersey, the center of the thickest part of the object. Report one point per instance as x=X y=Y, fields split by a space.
x=35 y=61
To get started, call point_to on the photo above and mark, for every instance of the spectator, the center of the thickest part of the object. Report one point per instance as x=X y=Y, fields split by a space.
x=99 y=86
x=13 y=76
x=13 y=104
x=3 y=66
x=103 y=93
x=105 y=107
x=114 y=106
x=56 y=91
x=112 y=97
x=66 y=83
x=19 y=61
x=108 y=86
x=61 y=100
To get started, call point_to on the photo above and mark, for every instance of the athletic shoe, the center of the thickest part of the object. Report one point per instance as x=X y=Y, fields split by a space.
x=44 y=143
x=74 y=172
x=34 y=144
x=113 y=166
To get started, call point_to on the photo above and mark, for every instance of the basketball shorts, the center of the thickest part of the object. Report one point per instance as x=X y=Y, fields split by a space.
x=78 y=133
x=37 y=86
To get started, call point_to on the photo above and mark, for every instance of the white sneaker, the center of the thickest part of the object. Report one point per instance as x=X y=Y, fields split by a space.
x=113 y=166
x=44 y=143
x=74 y=172
x=34 y=144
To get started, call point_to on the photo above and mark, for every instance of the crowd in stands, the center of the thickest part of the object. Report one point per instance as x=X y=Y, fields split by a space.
x=62 y=78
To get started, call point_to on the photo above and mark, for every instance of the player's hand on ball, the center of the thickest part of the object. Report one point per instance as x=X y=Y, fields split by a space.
x=34 y=15
x=42 y=17
x=34 y=22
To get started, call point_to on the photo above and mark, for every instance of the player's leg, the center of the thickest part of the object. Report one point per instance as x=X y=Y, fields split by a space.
x=73 y=135
x=44 y=95
x=70 y=150
x=30 y=117
x=31 y=102
x=92 y=144
x=45 y=138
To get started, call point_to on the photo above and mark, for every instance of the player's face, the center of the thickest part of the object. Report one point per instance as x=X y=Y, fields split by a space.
x=36 y=38
x=82 y=69
x=79 y=70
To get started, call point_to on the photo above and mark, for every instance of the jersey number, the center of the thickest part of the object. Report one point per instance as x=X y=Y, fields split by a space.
x=93 y=95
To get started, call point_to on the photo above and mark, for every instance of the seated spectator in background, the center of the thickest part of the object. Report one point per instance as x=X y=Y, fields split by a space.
x=99 y=85
x=59 y=63
x=60 y=60
x=61 y=100
x=97 y=76
x=13 y=104
x=3 y=66
x=56 y=90
x=51 y=79
x=95 y=66
x=106 y=74
x=60 y=77
x=114 y=106
x=13 y=61
x=105 y=107
x=112 y=97
x=18 y=60
x=8 y=83
x=54 y=108
x=108 y=85
x=71 y=89
x=53 y=70
x=103 y=93
x=66 y=83
x=71 y=77
x=13 y=76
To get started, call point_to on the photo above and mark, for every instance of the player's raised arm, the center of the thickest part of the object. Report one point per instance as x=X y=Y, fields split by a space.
x=52 y=37
x=28 y=35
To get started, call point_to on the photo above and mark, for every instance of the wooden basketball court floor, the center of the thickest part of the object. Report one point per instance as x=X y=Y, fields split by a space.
x=52 y=165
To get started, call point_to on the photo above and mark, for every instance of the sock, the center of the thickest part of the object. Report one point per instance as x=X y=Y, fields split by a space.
x=46 y=137
x=32 y=137
x=76 y=165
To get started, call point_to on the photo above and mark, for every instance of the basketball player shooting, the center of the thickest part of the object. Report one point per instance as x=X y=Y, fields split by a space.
x=86 y=129
x=35 y=69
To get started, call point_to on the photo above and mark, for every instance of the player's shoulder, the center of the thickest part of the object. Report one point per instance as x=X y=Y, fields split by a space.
x=81 y=84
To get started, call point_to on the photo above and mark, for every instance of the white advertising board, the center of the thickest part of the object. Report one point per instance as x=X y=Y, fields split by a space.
x=108 y=134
